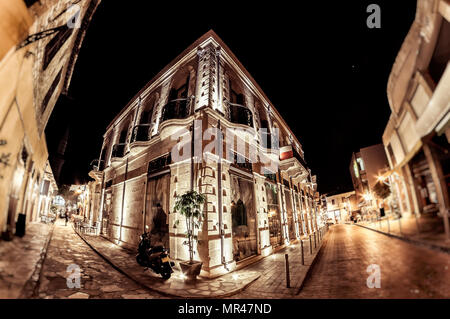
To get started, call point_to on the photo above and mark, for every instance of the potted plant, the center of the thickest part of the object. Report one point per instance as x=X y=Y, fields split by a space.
x=189 y=205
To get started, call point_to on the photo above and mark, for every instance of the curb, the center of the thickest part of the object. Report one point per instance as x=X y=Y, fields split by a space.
x=32 y=282
x=411 y=241
x=161 y=291
x=308 y=272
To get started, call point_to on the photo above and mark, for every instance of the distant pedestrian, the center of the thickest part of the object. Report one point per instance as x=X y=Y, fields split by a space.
x=66 y=217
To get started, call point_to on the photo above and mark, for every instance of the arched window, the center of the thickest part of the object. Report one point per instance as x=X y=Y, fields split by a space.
x=238 y=112
x=119 y=148
x=178 y=105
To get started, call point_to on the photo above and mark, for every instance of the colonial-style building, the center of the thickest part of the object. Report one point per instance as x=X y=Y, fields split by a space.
x=417 y=134
x=259 y=191
x=39 y=44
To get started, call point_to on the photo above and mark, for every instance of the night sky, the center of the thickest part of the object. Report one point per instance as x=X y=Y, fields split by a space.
x=319 y=64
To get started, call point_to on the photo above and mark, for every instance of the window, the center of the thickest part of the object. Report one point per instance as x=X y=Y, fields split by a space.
x=391 y=154
x=332 y=202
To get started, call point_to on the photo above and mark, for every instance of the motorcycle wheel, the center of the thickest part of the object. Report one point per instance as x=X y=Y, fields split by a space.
x=166 y=271
x=139 y=260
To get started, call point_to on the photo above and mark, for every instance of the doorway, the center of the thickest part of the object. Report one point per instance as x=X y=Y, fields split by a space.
x=243 y=214
x=158 y=190
x=273 y=207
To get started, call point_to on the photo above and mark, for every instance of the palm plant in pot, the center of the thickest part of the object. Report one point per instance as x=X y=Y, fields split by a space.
x=190 y=206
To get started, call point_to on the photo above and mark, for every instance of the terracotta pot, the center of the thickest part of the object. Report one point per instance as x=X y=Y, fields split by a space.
x=191 y=270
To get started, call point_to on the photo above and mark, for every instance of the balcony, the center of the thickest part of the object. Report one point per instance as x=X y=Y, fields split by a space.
x=241 y=162
x=174 y=116
x=292 y=161
x=97 y=165
x=118 y=151
x=239 y=114
x=141 y=133
x=176 y=109
x=140 y=137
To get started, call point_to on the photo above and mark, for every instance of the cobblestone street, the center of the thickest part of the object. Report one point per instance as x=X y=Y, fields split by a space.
x=98 y=278
x=407 y=270
x=272 y=283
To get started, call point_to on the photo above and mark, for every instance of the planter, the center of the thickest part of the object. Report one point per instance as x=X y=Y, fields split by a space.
x=191 y=270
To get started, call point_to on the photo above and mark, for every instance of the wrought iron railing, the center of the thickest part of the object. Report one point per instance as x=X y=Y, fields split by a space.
x=118 y=150
x=141 y=133
x=241 y=162
x=239 y=114
x=97 y=164
x=176 y=109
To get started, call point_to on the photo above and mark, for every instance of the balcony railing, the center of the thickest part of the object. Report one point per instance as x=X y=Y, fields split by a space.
x=239 y=114
x=241 y=162
x=141 y=133
x=97 y=164
x=287 y=152
x=118 y=150
x=176 y=109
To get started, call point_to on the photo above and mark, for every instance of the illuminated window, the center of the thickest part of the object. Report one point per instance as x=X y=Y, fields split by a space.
x=361 y=163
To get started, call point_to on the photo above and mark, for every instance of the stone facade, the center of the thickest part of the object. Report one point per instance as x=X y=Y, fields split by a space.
x=417 y=134
x=258 y=196
x=36 y=64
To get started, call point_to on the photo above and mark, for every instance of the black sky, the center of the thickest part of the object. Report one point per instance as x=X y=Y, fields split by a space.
x=319 y=64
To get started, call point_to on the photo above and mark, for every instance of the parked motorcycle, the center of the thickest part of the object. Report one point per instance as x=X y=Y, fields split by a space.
x=156 y=258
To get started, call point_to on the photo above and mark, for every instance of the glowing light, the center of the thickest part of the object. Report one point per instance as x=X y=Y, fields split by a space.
x=183 y=276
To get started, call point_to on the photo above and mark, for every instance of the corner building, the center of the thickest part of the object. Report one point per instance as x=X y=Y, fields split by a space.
x=251 y=208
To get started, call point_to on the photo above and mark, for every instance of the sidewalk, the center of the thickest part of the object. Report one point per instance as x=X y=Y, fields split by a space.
x=125 y=262
x=21 y=260
x=272 y=284
x=260 y=279
x=426 y=231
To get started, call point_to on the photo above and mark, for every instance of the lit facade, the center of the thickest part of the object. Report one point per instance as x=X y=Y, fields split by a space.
x=38 y=50
x=340 y=206
x=365 y=168
x=259 y=192
x=417 y=134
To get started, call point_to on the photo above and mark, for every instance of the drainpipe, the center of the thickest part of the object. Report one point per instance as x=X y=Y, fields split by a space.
x=192 y=154
x=219 y=198
x=123 y=200
x=283 y=211
x=145 y=204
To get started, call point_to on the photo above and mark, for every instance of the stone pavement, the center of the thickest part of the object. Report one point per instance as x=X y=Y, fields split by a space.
x=272 y=283
x=125 y=261
x=426 y=230
x=21 y=260
x=97 y=279
x=406 y=270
